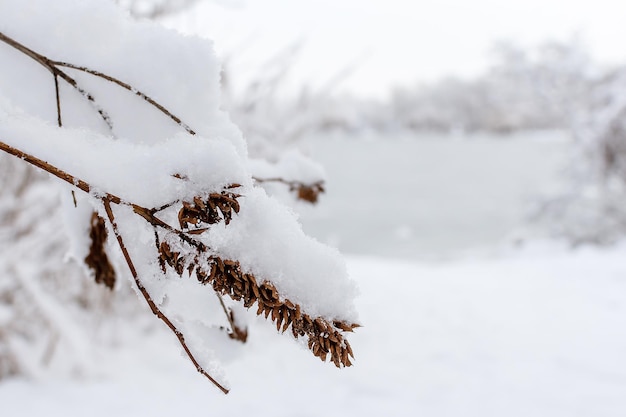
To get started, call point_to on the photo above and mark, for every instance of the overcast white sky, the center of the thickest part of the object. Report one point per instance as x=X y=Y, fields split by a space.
x=401 y=42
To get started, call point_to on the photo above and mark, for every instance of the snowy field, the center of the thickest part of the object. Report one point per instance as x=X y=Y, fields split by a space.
x=533 y=331
x=532 y=334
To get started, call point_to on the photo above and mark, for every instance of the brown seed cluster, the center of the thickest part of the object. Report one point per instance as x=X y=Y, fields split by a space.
x=306 y=192
x=212 y=210
x=97 y=259
x=226 y=277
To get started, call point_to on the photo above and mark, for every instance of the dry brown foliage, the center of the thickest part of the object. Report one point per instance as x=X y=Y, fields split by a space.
x=308 y=192
x=226 y=277
x=212 y=210
x=97 y=259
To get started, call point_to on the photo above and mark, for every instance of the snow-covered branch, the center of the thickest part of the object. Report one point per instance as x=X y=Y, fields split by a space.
x=144 y=174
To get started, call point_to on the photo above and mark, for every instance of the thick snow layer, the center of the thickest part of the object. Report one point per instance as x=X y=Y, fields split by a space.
x=267 y=241
x=144 y=174
x=179 y=72
x=539 y=333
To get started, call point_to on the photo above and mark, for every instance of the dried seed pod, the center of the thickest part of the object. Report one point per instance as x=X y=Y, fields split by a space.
x=308 y=193
x=97 y=259
x=226 y=277
x=212 y=210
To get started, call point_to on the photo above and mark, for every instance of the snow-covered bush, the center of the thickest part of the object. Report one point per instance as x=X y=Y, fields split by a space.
x=592 y=208
x=127 y=114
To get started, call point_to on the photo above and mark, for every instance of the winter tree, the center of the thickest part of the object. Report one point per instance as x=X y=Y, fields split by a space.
x=590 y=208
x=156 y=185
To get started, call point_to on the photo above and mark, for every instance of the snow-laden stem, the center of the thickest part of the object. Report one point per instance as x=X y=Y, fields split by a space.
x=51 y=66
x=147 y=214
x=40 y=163
x=307 y=192
x=107 y=199
x=157 y=312
x=130 y=88
x=54 y=67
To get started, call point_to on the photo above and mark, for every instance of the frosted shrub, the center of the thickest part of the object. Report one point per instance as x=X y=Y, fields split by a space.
x=591 y=209
x=128 y=116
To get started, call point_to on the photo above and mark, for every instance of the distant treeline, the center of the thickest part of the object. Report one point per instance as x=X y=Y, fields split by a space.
x=548 y=87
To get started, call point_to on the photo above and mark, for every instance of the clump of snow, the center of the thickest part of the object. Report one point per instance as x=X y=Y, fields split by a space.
x=179 y=72
x=145 y=174
x=268 y=241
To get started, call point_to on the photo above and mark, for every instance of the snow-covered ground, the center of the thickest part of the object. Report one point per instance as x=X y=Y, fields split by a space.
x=534 y=333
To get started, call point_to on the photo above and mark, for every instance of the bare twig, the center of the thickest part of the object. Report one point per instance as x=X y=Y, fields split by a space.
x=53 y=67
x=58 y=100
x=128 y=87
x=143 y=212
x=146 y=213
x=307 y=192
x=56 y=72
x=40 y=163
x=157 y=312
x=236 y=332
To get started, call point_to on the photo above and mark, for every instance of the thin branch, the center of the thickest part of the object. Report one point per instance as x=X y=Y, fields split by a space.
x=128 y=87
x=107 y=199
x=92 y=101
x=230 y=319
x=155 y=310
x=147 y=214
x=307 y=192
x=50 y=66
x=58 y=99
x=27 y=51
x=40 y=163
x=53 y=67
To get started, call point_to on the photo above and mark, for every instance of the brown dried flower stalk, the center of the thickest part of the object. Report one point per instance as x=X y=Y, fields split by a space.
x=304 y=191
x=308 y=192
x=237 y=333
x=227 y=278
x=97 y=259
